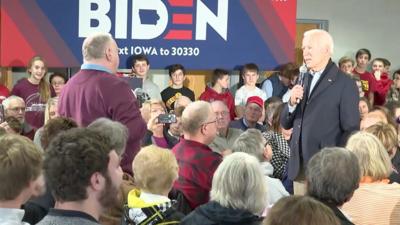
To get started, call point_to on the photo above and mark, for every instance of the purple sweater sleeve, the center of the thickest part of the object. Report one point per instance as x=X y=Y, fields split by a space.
x=123 y=107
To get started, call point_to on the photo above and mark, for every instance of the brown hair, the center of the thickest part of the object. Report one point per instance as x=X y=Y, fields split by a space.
x=276 y=119
x=300 y=210
x=289 y=70
x=54 y=127
x=20 y=163
x=44 y=86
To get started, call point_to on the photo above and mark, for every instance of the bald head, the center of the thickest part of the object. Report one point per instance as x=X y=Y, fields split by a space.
x=195 y=115
x=101 y=48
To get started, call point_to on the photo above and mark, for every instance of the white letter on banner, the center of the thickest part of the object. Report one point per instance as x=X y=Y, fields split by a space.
x=121 y=18
x=86 y=15
x=149 y=19
x=205 y=16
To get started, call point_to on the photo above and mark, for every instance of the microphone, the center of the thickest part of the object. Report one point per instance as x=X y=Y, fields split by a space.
x=302 y=71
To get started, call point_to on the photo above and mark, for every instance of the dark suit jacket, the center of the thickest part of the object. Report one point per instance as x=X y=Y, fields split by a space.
x=342 y=218
x=324 y=119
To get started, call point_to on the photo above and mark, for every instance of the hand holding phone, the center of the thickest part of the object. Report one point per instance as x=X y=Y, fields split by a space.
x=167 y=118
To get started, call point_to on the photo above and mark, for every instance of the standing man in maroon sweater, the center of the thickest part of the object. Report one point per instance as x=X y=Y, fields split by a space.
x=96 y=92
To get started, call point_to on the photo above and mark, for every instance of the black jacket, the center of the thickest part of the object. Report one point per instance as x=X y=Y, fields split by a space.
x=213 y=213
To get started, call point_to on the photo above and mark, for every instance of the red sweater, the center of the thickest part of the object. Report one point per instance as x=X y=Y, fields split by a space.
x=210 y=95
x=381 y=89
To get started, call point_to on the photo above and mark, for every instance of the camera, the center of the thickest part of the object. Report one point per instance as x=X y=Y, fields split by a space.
x=167 y=118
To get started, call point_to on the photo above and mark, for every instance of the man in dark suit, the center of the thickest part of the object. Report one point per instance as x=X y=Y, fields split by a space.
x=322 y=112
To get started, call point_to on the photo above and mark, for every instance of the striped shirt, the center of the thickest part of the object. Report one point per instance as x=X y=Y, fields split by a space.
x=374 y=203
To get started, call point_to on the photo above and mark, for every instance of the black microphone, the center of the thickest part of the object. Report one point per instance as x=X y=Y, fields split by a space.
x=302 y=71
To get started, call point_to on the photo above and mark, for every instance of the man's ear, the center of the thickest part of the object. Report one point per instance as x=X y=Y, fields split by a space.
x=97 y=181
x=108 y=53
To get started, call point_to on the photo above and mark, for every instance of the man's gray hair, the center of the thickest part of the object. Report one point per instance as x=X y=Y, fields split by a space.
x=115 y=131
x=239 y=183
x=251 y=142
x=95 y=45
x=332 y=175
x=327 y=38
x=6 y=102
x=195 y=115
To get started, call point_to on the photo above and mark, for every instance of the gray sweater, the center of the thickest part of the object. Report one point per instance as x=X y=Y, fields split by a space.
x=67 y=217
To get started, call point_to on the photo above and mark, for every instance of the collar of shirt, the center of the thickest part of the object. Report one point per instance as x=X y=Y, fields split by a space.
x=11 y=216
x=315 y=77
x=71 y=213
x=88 y=66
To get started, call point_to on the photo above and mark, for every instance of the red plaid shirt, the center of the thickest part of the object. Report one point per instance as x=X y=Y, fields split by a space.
x=197 y=164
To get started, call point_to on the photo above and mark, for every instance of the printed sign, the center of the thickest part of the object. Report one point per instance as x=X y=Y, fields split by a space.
x=200 y=34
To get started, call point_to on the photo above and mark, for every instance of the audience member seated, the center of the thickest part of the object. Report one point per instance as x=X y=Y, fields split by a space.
x=182 y=101
x=94 y=176
x=57 y=81
x=162 y=135
x=50 y=112
x=252 y=113
x=383 y=81
x=154 y=134
x=372 y=118
x=20 y=175
x=149 y=203
x=270 y=106
x=332 y=176
x=277 y=137
x=394 y=91
x=238 y=194
x=375 y=201
x=219 y=90
x=38 y=207
x=226 y=135
x=253 y=143
x=177 y=74
x=140 y=69
x=300 y=210
x=14 y=106
x=364 y=107
x=387 y=134
x=250 y=76
x=118 y=135
x=278 y=83
x=197 y=162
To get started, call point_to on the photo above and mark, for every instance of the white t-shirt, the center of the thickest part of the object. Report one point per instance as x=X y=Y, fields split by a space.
x=243 y=93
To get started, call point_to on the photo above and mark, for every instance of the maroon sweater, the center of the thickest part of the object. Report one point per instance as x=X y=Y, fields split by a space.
x=91 y=94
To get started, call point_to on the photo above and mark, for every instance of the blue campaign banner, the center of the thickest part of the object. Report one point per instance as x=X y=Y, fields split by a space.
x=200 y=34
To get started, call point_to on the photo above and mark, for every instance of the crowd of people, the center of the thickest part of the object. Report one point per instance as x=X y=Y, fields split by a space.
x=299 y=147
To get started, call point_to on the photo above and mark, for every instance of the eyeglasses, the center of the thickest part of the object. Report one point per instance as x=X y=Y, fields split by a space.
x=17 y=109
x=214 y=121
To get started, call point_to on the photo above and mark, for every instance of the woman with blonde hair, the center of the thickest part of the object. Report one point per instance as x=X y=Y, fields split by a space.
x=50 y=112
x=375 y=201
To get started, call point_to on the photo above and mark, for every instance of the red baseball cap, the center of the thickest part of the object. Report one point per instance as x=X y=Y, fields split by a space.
x=255 y=99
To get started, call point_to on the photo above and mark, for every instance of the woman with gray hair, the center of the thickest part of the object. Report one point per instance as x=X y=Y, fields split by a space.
x=238 y=194
x=253 y=143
